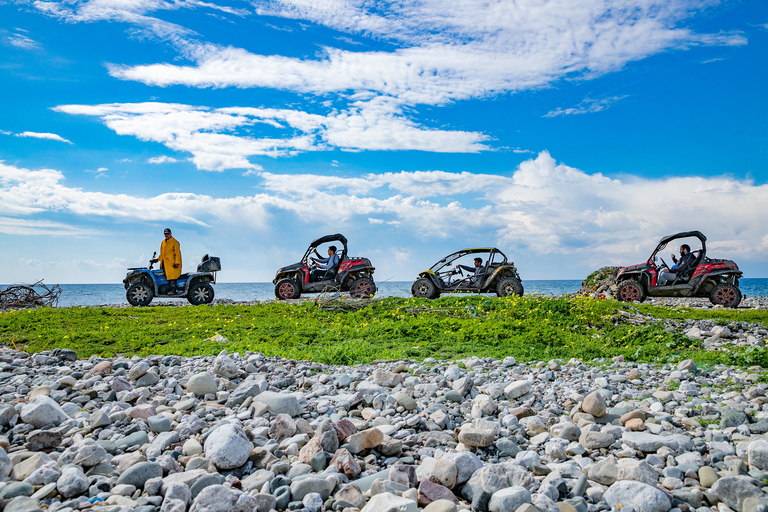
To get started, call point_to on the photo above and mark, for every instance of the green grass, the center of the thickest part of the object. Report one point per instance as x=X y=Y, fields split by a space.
x=528 y=328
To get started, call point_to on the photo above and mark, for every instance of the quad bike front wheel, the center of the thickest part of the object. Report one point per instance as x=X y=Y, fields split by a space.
x=509 y=286
x=725 y=294
x=287 y=289
x=424 y=288
x=200 y=293
x=139 y=294
x=362 y=288
x=630 y=291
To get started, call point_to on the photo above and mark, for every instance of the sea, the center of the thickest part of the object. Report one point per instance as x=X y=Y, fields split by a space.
x=104 y=294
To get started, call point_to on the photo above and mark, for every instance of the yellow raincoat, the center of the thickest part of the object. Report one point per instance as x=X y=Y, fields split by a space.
x=170 y=254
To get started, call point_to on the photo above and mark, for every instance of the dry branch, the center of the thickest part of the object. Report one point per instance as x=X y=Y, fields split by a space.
x=21 y=296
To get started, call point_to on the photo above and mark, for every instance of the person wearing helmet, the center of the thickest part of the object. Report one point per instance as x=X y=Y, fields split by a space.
x=170 y=259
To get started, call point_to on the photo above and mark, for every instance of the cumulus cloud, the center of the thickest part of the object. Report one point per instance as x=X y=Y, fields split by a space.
x=218 y=140
x=541 y=208
x=586 y=106
x=49 y=136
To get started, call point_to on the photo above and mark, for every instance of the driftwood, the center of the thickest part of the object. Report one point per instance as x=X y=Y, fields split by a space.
x=21 y=296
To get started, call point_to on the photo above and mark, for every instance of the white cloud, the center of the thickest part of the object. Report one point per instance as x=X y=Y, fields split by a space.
x=216 y=137
x=49 y=136
x=447 y=51
x=98 y=173
x=32 y=227
x=22 y=41
x=162 y=160
x=541 y=208
x=586 y=106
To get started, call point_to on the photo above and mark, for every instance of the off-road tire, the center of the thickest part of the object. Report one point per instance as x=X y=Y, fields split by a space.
x=630 y=291
x=286 y=289
x=725 y=294
x=509 y=286
x=139 y=294
x=200 y=293
x=362 y=288
x=424 y=288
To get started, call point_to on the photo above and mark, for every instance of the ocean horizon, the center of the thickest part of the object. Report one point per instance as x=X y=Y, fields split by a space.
x=114 y=293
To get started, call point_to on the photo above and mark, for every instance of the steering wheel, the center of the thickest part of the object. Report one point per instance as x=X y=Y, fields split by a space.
x=663 y=263
x=459 y=271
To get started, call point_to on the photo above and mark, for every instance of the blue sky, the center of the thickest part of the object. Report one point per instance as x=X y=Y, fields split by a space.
x=569 y=134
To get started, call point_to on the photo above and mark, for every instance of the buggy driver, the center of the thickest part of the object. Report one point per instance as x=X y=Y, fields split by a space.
x=682 y=265
x=476 y=271
x=324 y=267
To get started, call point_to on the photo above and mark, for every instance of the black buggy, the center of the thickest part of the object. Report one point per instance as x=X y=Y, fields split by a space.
x=497 y=275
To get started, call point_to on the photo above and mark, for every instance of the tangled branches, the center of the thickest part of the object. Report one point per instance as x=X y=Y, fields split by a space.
x=339 y=304
x=20 y=296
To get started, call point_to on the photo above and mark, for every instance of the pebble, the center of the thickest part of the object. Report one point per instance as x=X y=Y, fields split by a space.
x=249 y=432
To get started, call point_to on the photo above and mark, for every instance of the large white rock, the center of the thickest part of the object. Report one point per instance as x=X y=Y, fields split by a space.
x=641 y=497
x=388 y=502
x=279 y=403
x=224 y=365
x=517 y=389
x=758 y=454
x=650 y=443
x=228 y=447
x=41 y=411
x=72 y=481
x=509 y=499
x=201 y=384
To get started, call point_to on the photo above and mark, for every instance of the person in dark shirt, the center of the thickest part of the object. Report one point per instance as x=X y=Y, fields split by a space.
x=684 y=264
x=477 y=271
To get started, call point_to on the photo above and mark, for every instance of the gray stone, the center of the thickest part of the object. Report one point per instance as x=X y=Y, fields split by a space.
x=159 y=423
x=279 y=403
x=733 y=490
x=651 y=443
x=201 y=384
x=228 y=446
x=224 y=365
x=494 y=477
x=466 y=465
x=148 y=379
x=99 y=419
x=509 y=499
x=641 y=471
x=517 y=389
x=641 y=497
x=300 y=488
x=593 y=440
x=14 y=489
x=136 y=439
x=23 y=504
x=215 y=498
x=244 y=391
x=72 y=481
x=138 y=369
x=757 y=453
x=731 y=418
x=202 y=483
x=41 y=411
x=5 y=464
x=139 y=473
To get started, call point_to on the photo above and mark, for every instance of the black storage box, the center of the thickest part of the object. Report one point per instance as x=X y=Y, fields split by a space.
x=212 y=264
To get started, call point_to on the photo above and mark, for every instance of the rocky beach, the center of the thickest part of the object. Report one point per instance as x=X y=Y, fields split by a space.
x=245 y=432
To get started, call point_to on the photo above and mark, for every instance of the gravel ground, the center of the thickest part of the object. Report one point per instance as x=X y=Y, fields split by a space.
x=243 y=432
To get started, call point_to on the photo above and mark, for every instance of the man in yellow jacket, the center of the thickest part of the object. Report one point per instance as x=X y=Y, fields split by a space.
x=170 y=259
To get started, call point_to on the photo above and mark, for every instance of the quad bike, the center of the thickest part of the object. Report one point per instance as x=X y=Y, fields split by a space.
x=497 y=275
x=707 y=277
x=142 y=284
x=352 y=274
